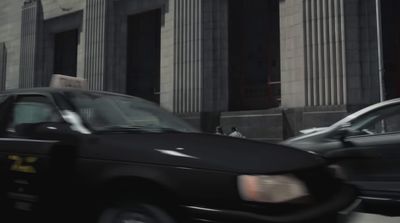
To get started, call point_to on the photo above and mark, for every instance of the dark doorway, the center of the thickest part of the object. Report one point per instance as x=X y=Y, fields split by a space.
x=254 y=54
x=65 y=52
x=143 y=56
x=391 y=47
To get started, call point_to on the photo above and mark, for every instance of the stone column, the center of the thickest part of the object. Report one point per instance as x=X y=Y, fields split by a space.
x=325 y=57
x=96 y=27
x=188 y=54
x=194 y=56
x=31 y=44
x=3 y=66
x=328 y=50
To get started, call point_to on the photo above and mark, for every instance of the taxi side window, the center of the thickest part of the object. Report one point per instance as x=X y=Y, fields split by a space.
x=32 y=110
x=2 y=98
x=4 y=114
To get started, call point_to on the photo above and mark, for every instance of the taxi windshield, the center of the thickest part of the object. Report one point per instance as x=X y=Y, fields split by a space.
x=109 y=112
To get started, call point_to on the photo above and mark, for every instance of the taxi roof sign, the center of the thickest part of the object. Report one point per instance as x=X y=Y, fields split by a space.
x=63 y=81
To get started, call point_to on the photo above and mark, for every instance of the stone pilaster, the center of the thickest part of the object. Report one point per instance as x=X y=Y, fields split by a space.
x=325 y=57
x=3 y=66
x=96 y=40
x=328 y=52
x=194 y=56
x=31 y=44
x=187 y=58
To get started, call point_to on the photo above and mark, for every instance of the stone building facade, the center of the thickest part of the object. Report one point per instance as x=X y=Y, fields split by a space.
x=269 y=68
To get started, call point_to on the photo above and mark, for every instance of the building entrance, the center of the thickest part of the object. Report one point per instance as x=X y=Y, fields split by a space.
x=391 y=47
x=143 y=55
x=254 y=54
x=65 y=52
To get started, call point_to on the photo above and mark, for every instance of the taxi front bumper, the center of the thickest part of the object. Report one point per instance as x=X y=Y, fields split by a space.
x=335 y=210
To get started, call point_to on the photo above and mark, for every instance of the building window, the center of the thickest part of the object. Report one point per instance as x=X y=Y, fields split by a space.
x=254 y=54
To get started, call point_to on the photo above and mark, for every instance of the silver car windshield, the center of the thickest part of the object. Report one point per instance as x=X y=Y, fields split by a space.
x=362 y=115
x=109 y=112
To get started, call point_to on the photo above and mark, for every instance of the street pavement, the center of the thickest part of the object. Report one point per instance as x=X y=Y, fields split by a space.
x=370 y=218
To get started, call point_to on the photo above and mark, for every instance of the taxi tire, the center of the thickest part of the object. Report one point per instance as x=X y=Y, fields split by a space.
x=141 y=213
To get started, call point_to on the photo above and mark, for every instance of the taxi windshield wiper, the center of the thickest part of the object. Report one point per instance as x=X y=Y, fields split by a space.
x=127 y=128
x=156 y=128
x=117 y=128
x=164 y=129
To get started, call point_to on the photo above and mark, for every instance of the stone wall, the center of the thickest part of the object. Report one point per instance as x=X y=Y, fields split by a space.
x=10 y=35
x=292 y=53
x=361 y=52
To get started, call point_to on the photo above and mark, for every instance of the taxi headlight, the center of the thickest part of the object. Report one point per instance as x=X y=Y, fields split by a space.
x=271 y=189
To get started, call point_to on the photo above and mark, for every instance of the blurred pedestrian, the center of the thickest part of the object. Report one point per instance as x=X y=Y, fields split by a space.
x=219 y=130
x=235 y=133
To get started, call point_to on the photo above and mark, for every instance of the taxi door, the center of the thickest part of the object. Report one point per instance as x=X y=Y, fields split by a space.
x=25 y=164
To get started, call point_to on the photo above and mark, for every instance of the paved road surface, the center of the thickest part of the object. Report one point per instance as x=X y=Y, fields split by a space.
x=369 y=218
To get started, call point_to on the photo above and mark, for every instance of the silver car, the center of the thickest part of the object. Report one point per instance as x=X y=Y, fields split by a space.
x=364 y=148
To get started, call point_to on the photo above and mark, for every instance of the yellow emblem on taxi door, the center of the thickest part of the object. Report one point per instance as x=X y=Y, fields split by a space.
x=23 y=164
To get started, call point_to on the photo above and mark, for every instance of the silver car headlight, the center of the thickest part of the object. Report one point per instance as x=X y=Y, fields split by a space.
x=338 y=171
x=271 y=188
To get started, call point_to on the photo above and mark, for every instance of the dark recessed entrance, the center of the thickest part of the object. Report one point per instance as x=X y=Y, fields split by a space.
x=254 y=54
x=143 y=55
x=391 y=47
x=65 y=52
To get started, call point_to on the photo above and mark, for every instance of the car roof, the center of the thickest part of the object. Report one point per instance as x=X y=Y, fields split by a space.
x=347 y=119
x=383 y=103
x=368 y=109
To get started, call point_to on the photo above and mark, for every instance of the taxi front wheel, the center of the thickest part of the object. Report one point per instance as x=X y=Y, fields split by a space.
x=140 y=213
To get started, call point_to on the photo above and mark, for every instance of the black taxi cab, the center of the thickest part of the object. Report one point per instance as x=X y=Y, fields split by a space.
x=84 y=156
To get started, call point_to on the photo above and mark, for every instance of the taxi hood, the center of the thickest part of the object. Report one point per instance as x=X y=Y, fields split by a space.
x=203 y=151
